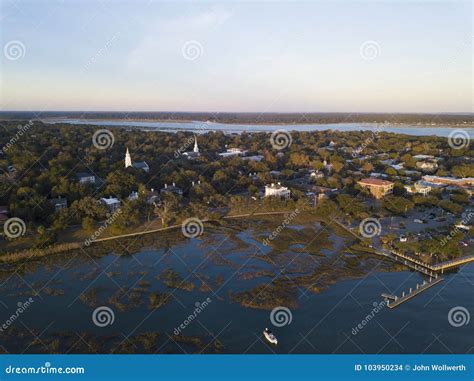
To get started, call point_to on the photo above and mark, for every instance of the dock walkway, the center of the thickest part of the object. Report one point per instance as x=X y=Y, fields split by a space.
x=395 y=301
x=412 y=262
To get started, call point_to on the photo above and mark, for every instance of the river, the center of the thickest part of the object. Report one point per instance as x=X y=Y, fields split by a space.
x=203 y=127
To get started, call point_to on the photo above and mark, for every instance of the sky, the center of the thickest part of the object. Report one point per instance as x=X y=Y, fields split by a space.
x=243 y=56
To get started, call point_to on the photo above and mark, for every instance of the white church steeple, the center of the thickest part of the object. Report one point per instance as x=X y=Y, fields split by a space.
x=196 y=148
x=128 y=159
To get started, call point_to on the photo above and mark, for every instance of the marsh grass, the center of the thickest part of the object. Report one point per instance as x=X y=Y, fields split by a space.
x=53 y=291
x=279 y=292
x=89 y=297
x=257 y=274
x=199 y=344
x=158 y=299
x=173 y=280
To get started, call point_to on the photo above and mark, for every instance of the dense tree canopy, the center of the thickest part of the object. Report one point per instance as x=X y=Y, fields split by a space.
x=43 y=165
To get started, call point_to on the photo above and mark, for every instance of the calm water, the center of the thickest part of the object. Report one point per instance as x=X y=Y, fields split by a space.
x=203 y=127
x=322 y=322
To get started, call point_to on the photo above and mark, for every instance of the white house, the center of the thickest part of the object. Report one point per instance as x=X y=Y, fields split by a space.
x=420 y=187
x=85 y=178
x=231 y=152
x=112 y=203
x=171 y=189
x=428 y=166
x=277 y=190
x=133 y=196
x=254 y=157
x=58 y=203
x=378 y=175
x=462 y=182
x=423 y=157
x=316 y=174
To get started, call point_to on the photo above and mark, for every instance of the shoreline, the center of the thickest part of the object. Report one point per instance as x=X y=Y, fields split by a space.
x=59 y=248
x=191 y=122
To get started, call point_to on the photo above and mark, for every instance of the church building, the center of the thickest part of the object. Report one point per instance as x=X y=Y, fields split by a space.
x=194 y=154
x=138 y=165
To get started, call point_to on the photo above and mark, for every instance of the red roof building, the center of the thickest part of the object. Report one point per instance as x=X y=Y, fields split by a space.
x=377 y=187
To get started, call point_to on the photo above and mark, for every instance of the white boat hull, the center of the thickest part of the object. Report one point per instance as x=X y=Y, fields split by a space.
x=270 y=338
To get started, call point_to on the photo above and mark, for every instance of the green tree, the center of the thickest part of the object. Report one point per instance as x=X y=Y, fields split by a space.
x=397 y=205
x=167 y=210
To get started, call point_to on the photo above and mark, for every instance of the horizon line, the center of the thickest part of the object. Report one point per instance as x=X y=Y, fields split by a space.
x=246 y=112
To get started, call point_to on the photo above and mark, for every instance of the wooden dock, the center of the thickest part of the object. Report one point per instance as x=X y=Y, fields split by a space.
x=453 y=263
x=414 y=263
x=395 y=301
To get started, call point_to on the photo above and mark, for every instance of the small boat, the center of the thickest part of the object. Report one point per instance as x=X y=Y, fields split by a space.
x=270 y=336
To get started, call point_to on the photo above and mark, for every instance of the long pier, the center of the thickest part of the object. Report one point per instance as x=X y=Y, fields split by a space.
x=434 y=268
x=414 y=265
x=453 y=263
x=411 y=264
x=395 y=301
x=431 y=271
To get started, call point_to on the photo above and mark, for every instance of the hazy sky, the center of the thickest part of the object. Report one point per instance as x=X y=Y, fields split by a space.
x=397 y=56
